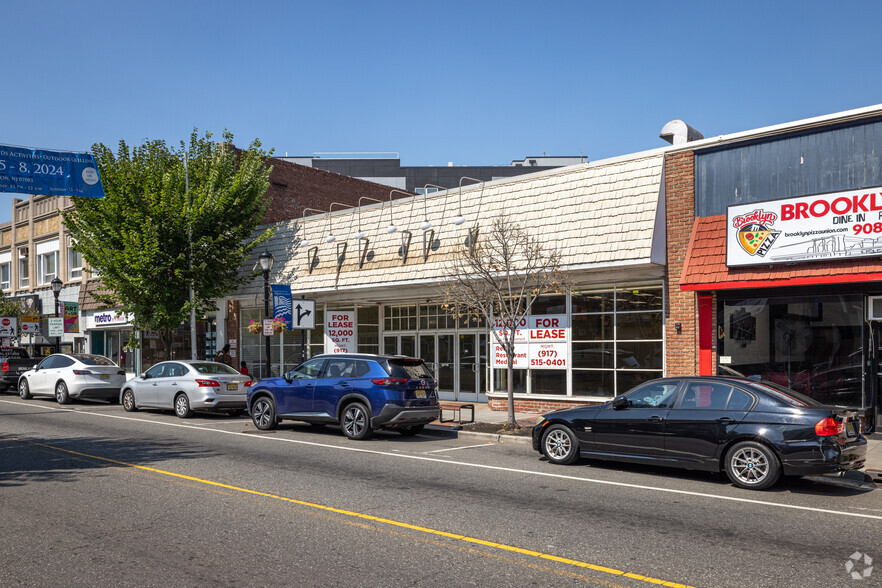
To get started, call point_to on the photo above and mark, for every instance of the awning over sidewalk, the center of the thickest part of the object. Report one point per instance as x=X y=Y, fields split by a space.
x=705 y=266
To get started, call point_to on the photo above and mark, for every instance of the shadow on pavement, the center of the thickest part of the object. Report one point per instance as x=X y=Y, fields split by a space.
x=26 y=459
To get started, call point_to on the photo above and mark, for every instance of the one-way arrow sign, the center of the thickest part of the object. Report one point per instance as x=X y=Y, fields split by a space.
x=304 y=314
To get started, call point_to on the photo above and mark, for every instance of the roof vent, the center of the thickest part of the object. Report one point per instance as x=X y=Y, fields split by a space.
x=677 y=132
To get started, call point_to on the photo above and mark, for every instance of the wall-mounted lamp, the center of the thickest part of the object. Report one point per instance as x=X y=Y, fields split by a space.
x=460 y=219
x=304 y=242
x=392 y=228
x=360 y=234
x=331 y=238
x=426 y=225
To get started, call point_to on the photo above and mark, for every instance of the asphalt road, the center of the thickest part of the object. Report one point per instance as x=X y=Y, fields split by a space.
x=91 y=495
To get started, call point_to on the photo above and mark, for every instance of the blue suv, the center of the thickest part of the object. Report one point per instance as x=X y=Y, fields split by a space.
x=360 y=392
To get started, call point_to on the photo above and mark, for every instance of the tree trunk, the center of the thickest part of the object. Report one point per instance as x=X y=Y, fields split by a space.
x=167 y=337
x=512 y=423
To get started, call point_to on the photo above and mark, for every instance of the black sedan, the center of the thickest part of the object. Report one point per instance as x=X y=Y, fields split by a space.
x=755 y=431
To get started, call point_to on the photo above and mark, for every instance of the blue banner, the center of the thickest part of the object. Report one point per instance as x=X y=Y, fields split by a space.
x=52 y=173
x=282 y=303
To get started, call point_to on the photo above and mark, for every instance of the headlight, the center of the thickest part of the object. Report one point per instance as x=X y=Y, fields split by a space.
x=540 y=420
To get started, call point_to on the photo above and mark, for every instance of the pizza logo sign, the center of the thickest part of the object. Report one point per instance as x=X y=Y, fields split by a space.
x=755 y=232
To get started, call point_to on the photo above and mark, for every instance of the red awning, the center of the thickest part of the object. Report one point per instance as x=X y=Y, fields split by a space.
x=705 y=265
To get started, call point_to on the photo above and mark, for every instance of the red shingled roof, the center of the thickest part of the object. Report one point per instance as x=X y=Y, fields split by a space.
x=705 y=265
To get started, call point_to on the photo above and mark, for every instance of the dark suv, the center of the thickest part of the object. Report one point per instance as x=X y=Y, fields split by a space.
x=360 y=392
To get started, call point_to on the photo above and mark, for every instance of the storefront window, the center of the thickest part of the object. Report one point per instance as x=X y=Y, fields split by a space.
x=812 y=344
x=401 y=318
x=368 y=320
x=617 y=338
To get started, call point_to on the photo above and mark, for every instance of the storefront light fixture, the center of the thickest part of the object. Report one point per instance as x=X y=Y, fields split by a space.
x=460 y=219
x=426 y=225
x=331 y=238
x=392 y=228
x=361 y=234
x=304 y=242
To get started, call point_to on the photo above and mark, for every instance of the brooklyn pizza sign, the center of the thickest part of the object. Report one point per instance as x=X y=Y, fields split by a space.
x=841 y=225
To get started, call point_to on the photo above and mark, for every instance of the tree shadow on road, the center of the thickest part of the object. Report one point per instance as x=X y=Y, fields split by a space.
x=26 y=459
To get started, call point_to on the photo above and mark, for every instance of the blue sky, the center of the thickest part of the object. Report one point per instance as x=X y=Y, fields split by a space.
x=475 y=83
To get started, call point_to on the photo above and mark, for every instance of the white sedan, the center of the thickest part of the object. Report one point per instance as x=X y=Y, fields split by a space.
x=185 y=386
x=68 y=376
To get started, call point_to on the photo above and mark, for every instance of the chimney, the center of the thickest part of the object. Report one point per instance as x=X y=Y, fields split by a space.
x=676 y=132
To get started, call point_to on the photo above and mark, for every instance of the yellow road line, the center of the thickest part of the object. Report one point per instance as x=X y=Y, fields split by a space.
x=349 y=513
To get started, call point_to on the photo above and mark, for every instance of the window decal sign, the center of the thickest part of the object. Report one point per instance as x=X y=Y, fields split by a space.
x=821 y=227
x=340 y=332
x=56 y=173
x=540 y=342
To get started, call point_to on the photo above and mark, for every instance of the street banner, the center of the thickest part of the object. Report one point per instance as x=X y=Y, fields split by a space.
x=30 y=325
x=55 y=173
x=282 y=303
x=821 y=227
x=56 y=326
x=71 y=317
x=8 y=326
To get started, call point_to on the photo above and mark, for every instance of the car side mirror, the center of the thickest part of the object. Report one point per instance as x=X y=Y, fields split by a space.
x=144 y=376
x=619 y=402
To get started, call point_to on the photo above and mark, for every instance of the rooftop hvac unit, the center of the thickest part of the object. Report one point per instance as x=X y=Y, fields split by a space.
x=874 y=308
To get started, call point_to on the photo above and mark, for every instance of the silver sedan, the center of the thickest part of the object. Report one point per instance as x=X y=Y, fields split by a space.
x=185 y=386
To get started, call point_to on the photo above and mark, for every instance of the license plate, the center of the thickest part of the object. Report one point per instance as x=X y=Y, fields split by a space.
x=232 y=386
x=105 y=377
x=420 y=393
x=849 y=429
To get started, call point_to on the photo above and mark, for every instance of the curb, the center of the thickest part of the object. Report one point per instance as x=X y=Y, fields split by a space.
x=487 y=437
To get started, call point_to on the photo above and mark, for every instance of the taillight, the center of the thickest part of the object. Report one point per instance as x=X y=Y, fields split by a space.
x=209 y=383
x=82 y=372
x=249 y=383
x=388 y=381
x=829 y=427
x=5 y=366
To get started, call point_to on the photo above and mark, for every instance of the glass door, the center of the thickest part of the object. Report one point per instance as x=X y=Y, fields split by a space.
x=472 y=366
x=445 y=367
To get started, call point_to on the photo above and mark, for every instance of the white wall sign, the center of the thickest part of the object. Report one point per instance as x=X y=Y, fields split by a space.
x=840 y=225
x=56 y=326
x=106 y=318
x=340 y=332
x=8 y=326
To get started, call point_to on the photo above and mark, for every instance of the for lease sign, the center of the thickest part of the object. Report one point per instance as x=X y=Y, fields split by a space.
x=839 y=225
x=540 y=342
x=340 y=332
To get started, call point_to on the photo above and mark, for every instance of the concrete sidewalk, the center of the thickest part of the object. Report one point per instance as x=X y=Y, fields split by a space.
x=483 y=414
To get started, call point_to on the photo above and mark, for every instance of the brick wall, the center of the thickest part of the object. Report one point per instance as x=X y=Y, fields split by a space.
x=294 y=187
x=533 y=406
x=681 y=357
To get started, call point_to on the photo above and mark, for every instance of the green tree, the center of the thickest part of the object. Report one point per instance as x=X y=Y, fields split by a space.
x=150 y=239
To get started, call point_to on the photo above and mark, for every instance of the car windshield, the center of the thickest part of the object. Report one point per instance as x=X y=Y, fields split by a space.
x=88 y=359
x=408 y=368
x=785 y=395
x=213 y=368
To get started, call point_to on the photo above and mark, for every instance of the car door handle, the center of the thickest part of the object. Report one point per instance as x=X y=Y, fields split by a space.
x=725 y=420
x=344 y=384
x=655 y=419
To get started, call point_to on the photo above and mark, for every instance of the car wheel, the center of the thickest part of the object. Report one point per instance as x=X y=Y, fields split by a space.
x=182 y=406
x=24 y=391
x=752 y=465
x=128 y=401
x=356 y=422
x=61 y=393
x=411 y=430
x=560 y=446
x=263 y=414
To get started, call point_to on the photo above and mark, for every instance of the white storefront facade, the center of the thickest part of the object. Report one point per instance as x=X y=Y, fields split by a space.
x=380 y=292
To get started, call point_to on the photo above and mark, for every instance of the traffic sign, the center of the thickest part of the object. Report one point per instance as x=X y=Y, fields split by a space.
x=303 y=315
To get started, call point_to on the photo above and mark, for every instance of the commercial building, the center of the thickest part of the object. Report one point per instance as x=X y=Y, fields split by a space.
x=780 y=276
x=605 y=217
x=386 y=169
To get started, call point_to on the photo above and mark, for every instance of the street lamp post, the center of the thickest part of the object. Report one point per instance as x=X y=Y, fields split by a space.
x=56 y=290
x=266 y=264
